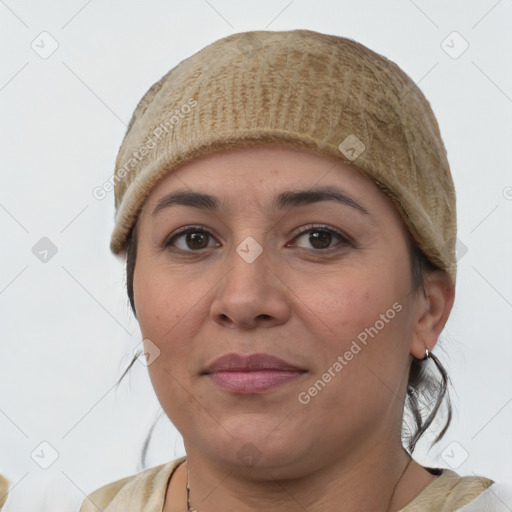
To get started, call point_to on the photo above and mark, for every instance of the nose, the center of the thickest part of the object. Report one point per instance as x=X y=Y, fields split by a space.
x=252 y=293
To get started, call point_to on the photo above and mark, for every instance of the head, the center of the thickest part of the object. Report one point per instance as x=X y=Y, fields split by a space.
x=369 y=279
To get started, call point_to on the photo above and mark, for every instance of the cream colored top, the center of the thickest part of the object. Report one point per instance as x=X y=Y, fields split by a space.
x=4 y=488
x=145 y=492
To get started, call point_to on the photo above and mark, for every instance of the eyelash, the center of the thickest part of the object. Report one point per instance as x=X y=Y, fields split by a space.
x=344 y=240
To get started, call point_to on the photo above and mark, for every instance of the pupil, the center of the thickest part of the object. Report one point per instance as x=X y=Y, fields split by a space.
x=322 y=236
x=195 y=238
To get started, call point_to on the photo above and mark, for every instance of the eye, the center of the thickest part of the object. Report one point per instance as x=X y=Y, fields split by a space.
x=197 y=238
x=320 y=237
x=191 y=239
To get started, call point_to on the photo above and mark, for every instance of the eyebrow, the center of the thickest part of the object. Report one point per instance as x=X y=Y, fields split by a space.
x=287 y=199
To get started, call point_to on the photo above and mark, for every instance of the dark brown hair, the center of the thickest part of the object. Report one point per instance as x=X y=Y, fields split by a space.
x=425 y=391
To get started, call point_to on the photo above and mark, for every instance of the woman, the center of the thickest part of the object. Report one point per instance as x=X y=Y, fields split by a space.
x=288 y=215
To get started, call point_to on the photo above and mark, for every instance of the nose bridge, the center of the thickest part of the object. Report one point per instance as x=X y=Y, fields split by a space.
x=249 y=263
x=250 y=250
x=250 y=290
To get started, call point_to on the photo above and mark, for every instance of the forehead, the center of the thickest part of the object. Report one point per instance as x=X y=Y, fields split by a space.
x=253 y=180
x=240 y=182
x=259 y=173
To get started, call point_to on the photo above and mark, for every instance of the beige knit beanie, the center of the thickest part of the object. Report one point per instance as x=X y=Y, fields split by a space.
x=304 y=89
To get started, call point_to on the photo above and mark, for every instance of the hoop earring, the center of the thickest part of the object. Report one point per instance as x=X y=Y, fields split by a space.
x=427 y=353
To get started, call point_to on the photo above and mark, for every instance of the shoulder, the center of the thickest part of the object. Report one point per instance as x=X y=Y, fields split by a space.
x=4 y=488
x=448 y=493
x=465 y=489
x=145 y=489
x=496 y=498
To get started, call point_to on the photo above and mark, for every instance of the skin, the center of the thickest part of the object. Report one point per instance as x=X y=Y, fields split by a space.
x=298 y=302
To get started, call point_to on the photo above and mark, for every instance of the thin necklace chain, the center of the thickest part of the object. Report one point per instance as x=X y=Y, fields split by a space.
x=190 y=508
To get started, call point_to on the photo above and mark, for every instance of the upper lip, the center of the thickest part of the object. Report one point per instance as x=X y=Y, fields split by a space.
x=245 y=363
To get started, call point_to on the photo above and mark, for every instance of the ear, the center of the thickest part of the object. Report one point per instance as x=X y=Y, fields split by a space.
x=432 y=312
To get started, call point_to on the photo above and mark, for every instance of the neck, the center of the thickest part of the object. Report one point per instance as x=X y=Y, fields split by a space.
x=360 y=481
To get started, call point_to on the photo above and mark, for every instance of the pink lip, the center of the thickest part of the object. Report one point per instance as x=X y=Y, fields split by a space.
x=255 y=373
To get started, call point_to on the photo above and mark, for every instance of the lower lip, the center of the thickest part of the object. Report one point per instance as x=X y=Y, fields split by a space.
x=254 y=381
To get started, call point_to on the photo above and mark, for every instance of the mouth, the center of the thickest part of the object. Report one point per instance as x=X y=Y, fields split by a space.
x=256 y=373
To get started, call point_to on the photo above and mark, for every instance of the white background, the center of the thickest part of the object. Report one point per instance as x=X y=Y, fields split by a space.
x=67 y=330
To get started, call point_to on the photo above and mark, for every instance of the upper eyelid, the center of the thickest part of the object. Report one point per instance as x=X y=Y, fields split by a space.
x=304 y=229
x=322 y=227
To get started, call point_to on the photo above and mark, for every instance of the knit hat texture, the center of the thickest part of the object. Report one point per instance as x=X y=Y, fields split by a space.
x=298 y=88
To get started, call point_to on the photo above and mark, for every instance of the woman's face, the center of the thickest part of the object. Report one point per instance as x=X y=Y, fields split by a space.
x=262 y=273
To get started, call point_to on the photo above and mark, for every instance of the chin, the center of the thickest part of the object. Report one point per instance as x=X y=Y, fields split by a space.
x=257 y=442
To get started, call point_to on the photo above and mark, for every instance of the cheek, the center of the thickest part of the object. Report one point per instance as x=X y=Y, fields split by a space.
x=350 y=304
x=169 y=305
x=160 y=306
x=167 y=315
x=363 y=319
x=150 y=301
x=157 y=309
